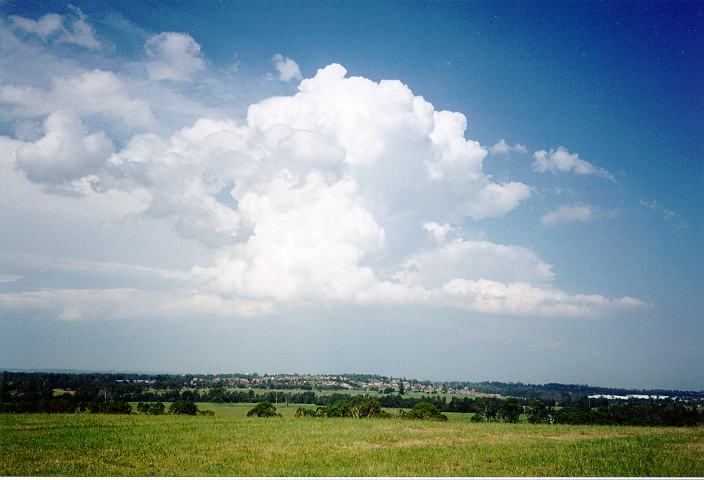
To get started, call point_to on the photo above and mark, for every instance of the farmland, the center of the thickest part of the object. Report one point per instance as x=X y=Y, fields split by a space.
x=232 y=444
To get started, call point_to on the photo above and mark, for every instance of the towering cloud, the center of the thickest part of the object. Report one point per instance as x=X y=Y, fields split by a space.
x=342 y=193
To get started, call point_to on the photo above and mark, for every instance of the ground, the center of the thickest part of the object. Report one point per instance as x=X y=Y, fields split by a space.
x=232 y=444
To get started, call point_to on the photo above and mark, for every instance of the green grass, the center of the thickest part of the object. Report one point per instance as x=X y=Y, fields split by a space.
x=57 y=392
x=232 y=444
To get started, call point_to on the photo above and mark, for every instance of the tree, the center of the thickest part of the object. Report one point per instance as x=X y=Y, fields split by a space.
x=510 y=410
x=488 y=407
x=539 y=412
x=263 y=409
x=183 y=407
x=401 y=390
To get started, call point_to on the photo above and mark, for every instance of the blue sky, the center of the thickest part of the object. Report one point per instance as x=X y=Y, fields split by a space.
x=164 y=212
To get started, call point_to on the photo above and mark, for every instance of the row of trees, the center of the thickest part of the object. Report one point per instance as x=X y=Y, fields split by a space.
x=67 y=404
x=639 y=415
x=64 y=405
x=27 y=393
x=359 y=407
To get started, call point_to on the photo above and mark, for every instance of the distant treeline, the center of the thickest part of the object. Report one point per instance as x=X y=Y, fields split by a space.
x=103 y=393
x=562 y=394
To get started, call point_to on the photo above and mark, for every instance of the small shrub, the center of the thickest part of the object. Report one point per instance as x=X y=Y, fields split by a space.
x=156 y=408
x=477 y=418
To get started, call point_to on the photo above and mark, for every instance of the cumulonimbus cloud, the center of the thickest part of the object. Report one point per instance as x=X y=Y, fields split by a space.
x=324 y=196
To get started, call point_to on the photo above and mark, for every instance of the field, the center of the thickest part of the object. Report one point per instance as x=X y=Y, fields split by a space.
x=232 y=444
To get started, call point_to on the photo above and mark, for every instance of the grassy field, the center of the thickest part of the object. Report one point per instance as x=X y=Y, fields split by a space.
x=232 y=444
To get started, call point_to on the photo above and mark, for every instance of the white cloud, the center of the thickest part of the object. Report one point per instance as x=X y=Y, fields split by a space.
x=473 y=260
x=51 y=26
x=8 y=278
x=503 y=148
x=173 y=56
x=325 y=196
x=653 y=205
x=65 y=152
x=126 y=303
x=319 y=130
x=495 y=200
x=308 y=242
x=44 y=27
x=667 y=214
x=287 y=68
x=519 y=298
x=436 y=231
x=570 y=213
x=562 y=161
x=96 y=92
x=480 y=296
x=46 y=262
x=577 y=212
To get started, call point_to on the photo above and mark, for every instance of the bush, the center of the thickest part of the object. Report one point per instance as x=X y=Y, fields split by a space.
x=424 y=411
x=304 y=412
x=109 y=407
x=156 y=408
x=370 y=409
x=263 y=409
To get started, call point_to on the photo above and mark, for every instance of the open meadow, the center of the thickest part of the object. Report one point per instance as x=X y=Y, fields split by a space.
x=230 y=443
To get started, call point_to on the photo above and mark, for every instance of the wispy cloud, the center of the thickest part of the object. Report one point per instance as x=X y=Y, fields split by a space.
x=73 y=28
x=503 y=148
x=575 y=213
x=8 y=278
x=666 y=214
